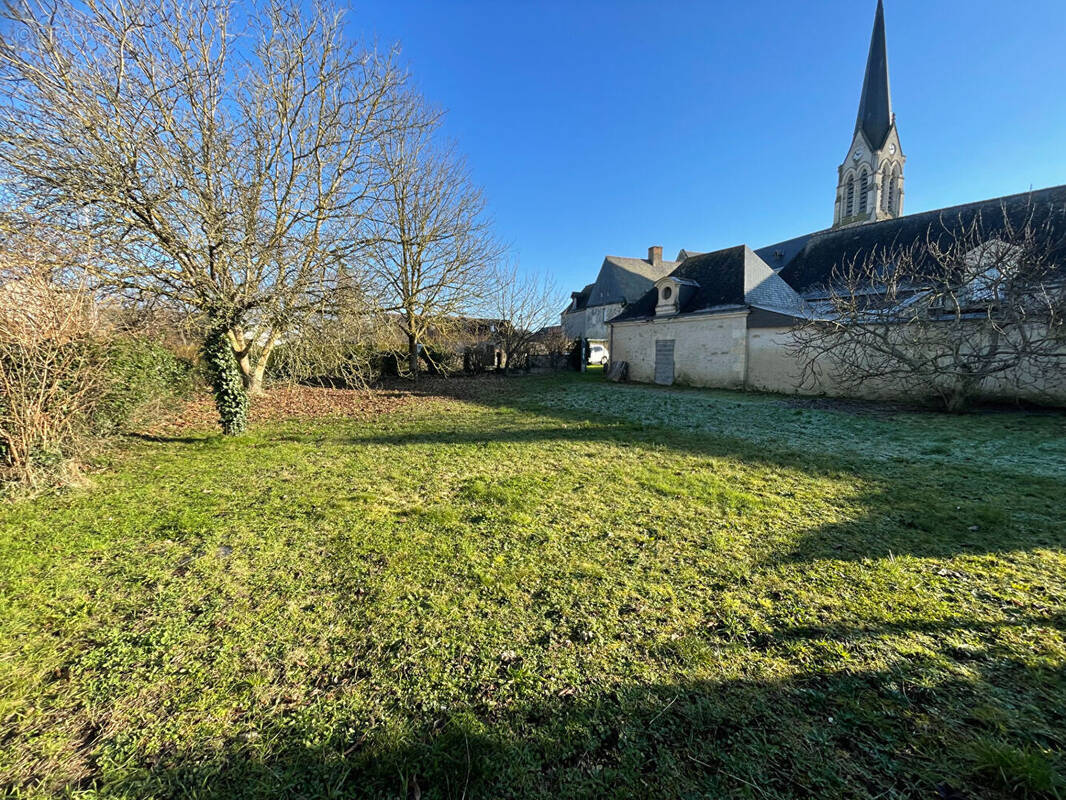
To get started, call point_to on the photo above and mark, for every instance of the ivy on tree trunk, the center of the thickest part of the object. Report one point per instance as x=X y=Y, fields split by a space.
x=231 y=399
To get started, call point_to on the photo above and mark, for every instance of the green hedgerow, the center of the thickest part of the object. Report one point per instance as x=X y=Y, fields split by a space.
x=141 y=373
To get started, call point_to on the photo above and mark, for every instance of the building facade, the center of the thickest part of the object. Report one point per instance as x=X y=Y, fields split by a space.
x=727 y=319
x=619 y=282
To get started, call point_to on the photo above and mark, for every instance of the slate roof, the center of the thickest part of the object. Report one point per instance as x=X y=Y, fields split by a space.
x=579 y=300
x=875 y=105
x=624 y=280
x=726 y=279
x=811 y=268
x=780 y=254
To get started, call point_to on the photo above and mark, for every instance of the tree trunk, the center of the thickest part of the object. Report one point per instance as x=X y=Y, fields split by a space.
x=251 y=372
x=231 y=400
x=412 y=356
x=254 y=384
x=240 y=355
x=960 y=395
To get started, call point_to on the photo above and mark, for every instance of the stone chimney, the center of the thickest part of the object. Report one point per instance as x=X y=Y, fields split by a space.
x=655 y=256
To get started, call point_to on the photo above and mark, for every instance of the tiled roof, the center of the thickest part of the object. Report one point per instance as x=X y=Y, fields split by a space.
x=579 y=300
x=779 y=254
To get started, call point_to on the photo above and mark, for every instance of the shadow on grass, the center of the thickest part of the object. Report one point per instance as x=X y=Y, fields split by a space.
x=166 y=439
x=952 y=713
x=916 y=508
x=917 y=728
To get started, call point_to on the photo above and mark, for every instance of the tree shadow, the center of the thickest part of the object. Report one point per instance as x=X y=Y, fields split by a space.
x=201 y=438
x=921 y=727
x=960 y=710
x=921 y=508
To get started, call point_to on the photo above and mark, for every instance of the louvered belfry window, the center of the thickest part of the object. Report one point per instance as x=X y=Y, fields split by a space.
x=864 y=190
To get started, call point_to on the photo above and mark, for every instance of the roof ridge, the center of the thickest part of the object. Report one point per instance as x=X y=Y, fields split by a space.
x=638 y=258
x=958 y=206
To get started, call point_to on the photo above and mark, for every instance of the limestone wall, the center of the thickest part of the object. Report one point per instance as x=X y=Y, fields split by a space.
x=720 y=351
x=591 y=322
x=772 y=369
x=708 y=350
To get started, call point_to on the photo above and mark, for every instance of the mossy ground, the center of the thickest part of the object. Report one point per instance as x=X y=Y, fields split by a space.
x=549 y=587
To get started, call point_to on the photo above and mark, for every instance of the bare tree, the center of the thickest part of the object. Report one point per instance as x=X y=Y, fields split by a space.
x=433 y=251
x=525 y=302
x=969 y=308
x=339 y=344
x=222 y=160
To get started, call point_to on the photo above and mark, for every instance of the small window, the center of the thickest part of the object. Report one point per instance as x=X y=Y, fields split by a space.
x=668 y=292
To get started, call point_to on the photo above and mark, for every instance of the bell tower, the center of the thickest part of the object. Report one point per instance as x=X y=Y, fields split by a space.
x=870 y=181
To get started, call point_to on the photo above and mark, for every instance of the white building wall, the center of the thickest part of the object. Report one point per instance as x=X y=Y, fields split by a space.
x=573 y=323
x=720 y=351
x=590 y=322
x=598 y=316
x=708 y=351
x=771 y=368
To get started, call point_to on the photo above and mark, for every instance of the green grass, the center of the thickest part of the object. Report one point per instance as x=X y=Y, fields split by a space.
x=564 y=589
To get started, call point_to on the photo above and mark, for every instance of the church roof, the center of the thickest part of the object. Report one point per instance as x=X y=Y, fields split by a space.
x=738 y=277
x=779 y=254
x=623 y=280
x=811 y=268
x=875 y=106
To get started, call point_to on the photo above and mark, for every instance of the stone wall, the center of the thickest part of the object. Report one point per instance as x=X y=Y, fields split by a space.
x=573 y=323
x=771 y=368
x=720 y=351
x=708 y=350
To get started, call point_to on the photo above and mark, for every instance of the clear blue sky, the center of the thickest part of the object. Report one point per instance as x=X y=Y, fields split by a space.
x=601 y=127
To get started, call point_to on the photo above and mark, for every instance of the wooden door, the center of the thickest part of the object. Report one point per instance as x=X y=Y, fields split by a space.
x=664 y=361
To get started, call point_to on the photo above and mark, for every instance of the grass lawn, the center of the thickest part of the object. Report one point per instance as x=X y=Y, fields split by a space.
x=548 y=587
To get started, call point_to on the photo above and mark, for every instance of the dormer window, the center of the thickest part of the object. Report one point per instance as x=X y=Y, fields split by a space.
x=674 y=293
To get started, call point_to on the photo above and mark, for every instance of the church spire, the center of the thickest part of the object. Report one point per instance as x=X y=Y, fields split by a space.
x=870 y=181
x=875 y=107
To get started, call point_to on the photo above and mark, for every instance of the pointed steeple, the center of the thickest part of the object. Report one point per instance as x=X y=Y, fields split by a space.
x=875 y=107
x=870 y=181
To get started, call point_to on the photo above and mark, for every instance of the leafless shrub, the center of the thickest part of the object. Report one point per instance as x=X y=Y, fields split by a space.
x=526 y=302
x=51 y=375
x=971 y=308
x=340 y=344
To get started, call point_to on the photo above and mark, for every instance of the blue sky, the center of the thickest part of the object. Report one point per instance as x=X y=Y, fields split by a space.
x=601 y=127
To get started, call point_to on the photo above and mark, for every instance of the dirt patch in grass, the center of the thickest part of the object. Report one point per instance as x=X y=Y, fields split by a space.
x=289 y=402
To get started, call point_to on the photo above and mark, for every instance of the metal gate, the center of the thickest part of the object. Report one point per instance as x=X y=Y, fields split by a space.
x=664 y=361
